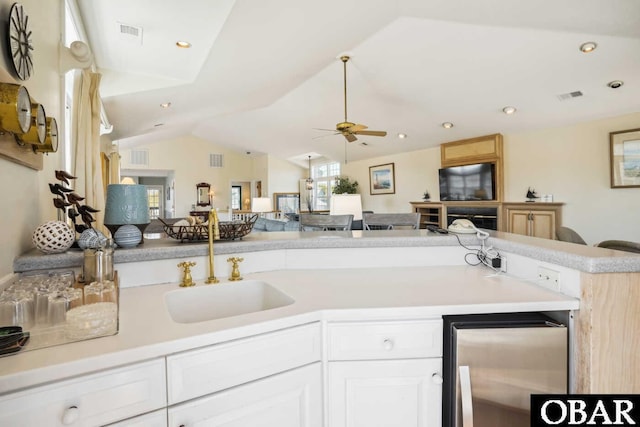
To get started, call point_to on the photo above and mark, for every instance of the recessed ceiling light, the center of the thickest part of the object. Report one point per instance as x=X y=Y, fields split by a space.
x=183 y=44
x=588 y=47
x=447 y=125
x=615 y=84
x=402 y=135
x=165 y=105
x=509 y=110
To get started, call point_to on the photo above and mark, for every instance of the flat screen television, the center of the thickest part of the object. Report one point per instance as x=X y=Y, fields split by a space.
x=469 y=182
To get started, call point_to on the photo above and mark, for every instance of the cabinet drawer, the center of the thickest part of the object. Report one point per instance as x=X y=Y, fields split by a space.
x=91 y=400
x=203 y=371
x=384 y=340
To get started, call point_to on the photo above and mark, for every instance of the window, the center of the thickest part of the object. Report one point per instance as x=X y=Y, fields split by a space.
x=324 y=181
x=154 y=193
x=236 y=197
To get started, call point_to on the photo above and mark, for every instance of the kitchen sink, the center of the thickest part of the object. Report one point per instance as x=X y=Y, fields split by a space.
x=209 y=302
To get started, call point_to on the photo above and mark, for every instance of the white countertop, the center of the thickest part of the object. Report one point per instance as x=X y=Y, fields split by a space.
x=147 y=331
x=584 y=258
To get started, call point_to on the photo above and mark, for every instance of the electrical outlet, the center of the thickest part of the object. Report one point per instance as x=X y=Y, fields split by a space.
x=549 y=278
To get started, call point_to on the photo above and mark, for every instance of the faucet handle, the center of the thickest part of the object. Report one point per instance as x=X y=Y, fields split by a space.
x=187 y=280
x=235 y=271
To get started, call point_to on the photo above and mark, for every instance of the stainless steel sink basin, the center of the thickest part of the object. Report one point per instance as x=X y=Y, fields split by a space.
x=208 y=302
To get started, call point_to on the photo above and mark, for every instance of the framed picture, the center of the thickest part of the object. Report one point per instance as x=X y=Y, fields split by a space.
x=286 y=202
x=382 y=179
x=624 y=153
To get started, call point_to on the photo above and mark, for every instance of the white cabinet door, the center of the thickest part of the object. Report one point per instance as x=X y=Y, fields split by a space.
x=290 y=399
x=384 y=393
x=153 y=419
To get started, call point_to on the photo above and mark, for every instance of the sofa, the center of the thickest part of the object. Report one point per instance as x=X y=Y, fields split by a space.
x=263 y=225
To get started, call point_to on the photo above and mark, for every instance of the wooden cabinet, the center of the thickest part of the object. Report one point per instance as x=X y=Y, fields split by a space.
x=385 y=374
x=289 y=399
x=95 y=399
x=532 y=219
x=430 y=213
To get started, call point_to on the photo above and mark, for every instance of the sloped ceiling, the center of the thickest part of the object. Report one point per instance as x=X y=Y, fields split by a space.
x=262 y=76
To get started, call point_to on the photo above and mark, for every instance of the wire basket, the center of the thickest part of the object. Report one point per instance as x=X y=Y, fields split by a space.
x=229 y=230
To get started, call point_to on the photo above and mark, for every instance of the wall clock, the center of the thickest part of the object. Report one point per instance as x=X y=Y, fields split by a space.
x=20 y=45
x=38 y=130
x=15 y=108
x=51 y=139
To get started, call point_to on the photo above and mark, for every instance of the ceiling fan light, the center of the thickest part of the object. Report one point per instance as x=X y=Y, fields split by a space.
x=165 y=105
x=588 y=47
x=447 y=125
x=402 y=135
x=183 y=44
x=509 y=110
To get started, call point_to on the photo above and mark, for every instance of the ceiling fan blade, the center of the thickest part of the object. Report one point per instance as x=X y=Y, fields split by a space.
x=372 y=132
x=350 y=137
x=330 y=130
x=357 y=128
x=326 y=135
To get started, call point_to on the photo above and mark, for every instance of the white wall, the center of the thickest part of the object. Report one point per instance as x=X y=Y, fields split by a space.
x=24 y=192
x=188 y=156
x=572 y=163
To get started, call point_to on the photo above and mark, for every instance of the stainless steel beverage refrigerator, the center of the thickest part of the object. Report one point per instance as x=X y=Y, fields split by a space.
x=492 y=363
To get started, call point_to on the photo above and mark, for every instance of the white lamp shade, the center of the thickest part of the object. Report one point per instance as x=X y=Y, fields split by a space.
x=261 y=204
x=346 y=204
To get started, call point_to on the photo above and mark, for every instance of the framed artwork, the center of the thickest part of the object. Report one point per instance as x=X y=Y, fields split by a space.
x=286 y=202
x=624 y=154
x=382 y=179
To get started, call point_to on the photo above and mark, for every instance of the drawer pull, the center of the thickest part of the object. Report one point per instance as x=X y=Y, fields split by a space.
x=70 y=415
x=387 y=344
x=436 y=378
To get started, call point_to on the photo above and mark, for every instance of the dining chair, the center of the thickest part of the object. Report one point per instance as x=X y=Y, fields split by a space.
x=391 y=221
x=319 y=222
x=621 y=245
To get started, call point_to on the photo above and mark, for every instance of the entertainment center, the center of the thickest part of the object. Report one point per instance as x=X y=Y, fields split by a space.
x=472 y=186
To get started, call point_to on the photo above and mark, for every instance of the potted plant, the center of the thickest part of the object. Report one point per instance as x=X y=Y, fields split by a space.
x=345 y=186
x=426 y=196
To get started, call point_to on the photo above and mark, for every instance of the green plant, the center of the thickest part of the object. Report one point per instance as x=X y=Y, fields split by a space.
x=345 y=186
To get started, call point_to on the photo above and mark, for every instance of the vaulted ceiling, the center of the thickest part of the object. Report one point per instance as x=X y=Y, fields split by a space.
x=262 y=76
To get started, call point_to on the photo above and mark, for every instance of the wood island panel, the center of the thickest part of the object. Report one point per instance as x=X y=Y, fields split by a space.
x=607 y=334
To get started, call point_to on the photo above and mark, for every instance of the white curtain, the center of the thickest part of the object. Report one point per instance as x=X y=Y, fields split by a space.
x=86 y=139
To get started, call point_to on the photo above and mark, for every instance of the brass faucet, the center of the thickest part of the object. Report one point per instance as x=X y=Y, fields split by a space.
x=187 y=280
x=235 y=270
x=213 y=230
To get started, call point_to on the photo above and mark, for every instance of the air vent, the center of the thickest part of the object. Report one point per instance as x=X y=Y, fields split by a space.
x=364 y=144
x=130 y=33
x=570 y=95
x=139 y=157
x=216 y=160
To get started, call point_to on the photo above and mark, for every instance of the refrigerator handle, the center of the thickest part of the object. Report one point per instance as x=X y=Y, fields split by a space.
x=465 y=391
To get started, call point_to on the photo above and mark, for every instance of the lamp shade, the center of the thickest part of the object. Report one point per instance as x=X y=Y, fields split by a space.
x=261 y=204
x=126 y=204
x=346 y=204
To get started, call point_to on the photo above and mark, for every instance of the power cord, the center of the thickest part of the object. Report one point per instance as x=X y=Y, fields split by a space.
x=487 y=256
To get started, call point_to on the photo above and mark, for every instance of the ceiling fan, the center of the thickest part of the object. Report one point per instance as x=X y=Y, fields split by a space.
x=348 y=129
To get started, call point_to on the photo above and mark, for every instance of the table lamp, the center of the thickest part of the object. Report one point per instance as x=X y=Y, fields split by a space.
x=346 y=204
x=261 y=205
x=126 y=213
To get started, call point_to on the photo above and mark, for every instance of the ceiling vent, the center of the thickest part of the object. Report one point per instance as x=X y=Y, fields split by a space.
x=570 y=95
x=139 y=157
x=216 y=160
x=129 y=33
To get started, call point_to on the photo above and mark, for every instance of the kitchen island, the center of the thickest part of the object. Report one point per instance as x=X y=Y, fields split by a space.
x=386 y=277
